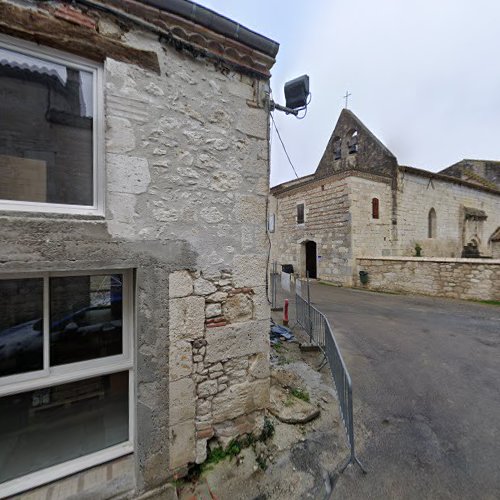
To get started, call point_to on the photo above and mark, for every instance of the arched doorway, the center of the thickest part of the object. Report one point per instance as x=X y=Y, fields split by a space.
x=311 y=259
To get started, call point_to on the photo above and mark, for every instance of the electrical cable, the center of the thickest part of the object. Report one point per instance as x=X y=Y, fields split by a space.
x=305 y=108
x=283 y=145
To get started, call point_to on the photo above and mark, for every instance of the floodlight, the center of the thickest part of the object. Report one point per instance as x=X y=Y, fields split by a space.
x=297 y=92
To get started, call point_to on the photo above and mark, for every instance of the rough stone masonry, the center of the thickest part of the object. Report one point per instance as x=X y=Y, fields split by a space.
x=184 y=136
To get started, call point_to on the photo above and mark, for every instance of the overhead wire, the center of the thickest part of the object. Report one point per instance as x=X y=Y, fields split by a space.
x=283 y=145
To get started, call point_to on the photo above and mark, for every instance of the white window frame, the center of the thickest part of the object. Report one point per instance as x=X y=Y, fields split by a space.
x=73 y=372
x=98 y=177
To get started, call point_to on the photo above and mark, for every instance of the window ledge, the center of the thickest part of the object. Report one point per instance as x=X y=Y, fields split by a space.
x=8 y=214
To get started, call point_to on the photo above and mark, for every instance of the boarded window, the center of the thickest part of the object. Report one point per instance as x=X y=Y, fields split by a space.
x=300 y=214
x=432 y=224
x=375 y=208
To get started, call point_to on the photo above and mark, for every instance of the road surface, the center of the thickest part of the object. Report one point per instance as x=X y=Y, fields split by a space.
x=426 y=382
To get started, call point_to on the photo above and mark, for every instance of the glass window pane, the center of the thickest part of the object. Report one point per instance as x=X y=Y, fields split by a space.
x=46 y=150
x=50 y=426
x=21 y=326
x=85 y=318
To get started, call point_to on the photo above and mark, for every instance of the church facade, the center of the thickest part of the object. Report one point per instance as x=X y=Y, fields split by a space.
x=361 y=203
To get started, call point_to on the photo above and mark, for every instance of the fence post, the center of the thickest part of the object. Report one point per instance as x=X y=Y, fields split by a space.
x=309 y=322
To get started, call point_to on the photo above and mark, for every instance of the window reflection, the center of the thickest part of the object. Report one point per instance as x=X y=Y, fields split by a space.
x=85 y=318
x=21 y=326
x=50 y=426
x=46 y=149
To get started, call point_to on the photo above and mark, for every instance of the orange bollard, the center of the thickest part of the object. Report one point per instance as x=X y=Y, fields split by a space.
x=285 y=313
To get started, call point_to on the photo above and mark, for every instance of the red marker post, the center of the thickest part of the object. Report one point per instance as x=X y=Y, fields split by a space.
x=285 y=313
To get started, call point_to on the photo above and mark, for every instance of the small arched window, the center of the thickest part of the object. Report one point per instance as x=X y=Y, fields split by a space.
x=337 y=148
x=432 y=224
x=375 y=208
x=352 y=142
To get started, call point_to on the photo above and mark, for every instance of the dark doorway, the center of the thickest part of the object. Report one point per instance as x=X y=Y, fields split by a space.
x=311 y=259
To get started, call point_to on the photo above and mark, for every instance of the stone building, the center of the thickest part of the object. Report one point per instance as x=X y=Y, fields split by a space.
x=135 y=173
x=361 y=203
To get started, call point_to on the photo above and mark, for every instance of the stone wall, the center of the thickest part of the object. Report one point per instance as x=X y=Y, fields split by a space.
x=326 y=222
x=369 y=155
x=338 y=217
x=219 y=372
x=370 y=236
x=186 y=169
x=477 y=279
x=418 y=194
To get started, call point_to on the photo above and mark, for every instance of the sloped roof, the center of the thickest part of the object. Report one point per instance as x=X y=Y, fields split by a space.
x=496 y=235
x=446 y=178
x=220 y=24
x=366 y=130
x=370 y=154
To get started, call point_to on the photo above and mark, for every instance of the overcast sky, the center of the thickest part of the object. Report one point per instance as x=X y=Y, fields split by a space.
x=424 y=75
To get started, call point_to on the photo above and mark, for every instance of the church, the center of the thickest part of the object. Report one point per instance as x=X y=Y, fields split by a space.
x=361 y=203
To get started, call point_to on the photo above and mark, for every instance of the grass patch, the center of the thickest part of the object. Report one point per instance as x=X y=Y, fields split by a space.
x=489 y=302
x=233 y=449
x=261 y=462
x=329 y=283
x=300 y=394
x=277 y=347
x=267 y=431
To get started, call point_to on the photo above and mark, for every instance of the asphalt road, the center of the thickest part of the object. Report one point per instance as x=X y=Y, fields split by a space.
x=426 y=383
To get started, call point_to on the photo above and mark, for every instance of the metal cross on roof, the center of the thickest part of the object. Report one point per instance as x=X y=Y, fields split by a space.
x=346 y=97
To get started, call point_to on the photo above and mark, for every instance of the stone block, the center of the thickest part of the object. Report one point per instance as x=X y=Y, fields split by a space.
x=238 y=308
x=203 y=407
x=240 y=399
x=246 y=424
x=261 y=307
x=216 y=297
x=180 y=284
x=182 y=444
x=120 y=136
x=204 y=287
x=213 y=310
x=240 y=339
x=180 y=360
x=201 y=451
x=253 y=122
x=207 y=388
x=186 y=318
x=259 y=365
x=182 y=399
x=215 y=368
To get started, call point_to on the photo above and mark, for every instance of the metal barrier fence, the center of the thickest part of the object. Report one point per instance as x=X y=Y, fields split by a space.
x=320 y=333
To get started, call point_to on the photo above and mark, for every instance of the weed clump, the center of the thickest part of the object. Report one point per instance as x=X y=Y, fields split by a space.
x=232 y=450
x=300 y=393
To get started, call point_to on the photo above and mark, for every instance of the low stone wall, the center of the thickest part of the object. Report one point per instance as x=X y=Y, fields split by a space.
x=477 y=279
